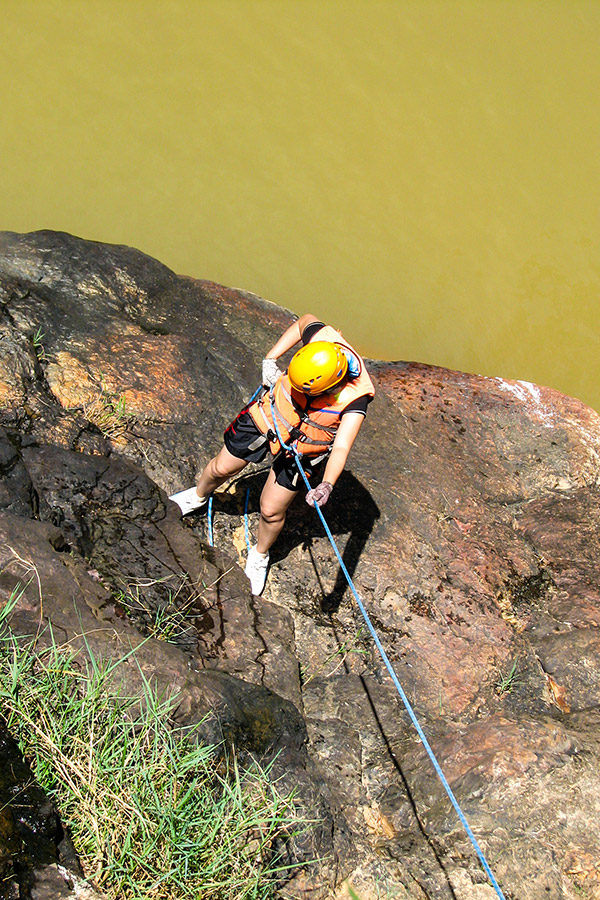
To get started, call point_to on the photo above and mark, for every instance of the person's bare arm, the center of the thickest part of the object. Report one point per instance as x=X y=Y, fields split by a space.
x=346 y=435
x=291 y=336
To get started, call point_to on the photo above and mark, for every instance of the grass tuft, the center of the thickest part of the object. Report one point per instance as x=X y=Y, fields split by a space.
x=506 y=682
x=38 y=346
x=152 y=813
x=108 y=412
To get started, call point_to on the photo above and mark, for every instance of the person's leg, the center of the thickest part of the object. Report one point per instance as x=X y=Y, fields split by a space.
x=223 y=466
x=274 y=503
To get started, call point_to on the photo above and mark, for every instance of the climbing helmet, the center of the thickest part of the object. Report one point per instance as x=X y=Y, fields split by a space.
x=317 y=367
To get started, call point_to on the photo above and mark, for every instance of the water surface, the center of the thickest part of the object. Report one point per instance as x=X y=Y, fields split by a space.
x=424 y=174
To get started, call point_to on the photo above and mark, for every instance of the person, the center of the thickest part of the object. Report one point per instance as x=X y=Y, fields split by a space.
x=318 y=405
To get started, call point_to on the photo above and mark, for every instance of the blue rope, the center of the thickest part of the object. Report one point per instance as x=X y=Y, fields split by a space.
x=389 y=666
x=260 y=388
x=246 y=534
x=209 y=514
x=210 y=521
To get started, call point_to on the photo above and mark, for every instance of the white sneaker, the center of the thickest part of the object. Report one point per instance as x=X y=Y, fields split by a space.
x=256 y=570
x=188 y=501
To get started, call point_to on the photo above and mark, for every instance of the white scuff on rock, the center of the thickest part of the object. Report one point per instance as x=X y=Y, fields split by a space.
x=588 y=428
x=531 y=396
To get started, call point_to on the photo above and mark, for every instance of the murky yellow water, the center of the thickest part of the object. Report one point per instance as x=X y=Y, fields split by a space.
x=426 y=174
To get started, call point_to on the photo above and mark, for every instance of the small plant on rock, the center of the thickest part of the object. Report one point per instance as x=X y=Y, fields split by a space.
x=108 y=412
x=506 y=682
x=172 y=620
x=38 y=347
x=338 y=657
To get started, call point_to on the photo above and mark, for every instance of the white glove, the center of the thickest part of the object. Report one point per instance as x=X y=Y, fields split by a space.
x=319 y=495
x=270 y=372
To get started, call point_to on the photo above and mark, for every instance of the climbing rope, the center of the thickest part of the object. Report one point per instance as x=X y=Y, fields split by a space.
x=209 y=518
x=209 y=511
x=246 y=532
x=291 y=449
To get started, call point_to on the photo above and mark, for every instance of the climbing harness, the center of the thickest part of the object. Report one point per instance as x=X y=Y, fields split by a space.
x=390 y=668
x=313 y=421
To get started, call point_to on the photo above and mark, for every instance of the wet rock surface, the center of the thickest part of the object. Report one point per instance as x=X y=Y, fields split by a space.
x=467 y=517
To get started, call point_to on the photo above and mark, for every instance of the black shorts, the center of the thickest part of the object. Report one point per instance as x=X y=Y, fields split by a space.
x=244 y=439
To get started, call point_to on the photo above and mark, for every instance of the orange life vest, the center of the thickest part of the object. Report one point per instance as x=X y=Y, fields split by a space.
x=309 y=422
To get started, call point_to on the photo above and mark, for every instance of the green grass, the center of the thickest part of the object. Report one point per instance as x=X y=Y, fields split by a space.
x=108 y=412
x=152 y=813
x=170 y=622
x=507 y=681
x=340 y=656
x=38 y=347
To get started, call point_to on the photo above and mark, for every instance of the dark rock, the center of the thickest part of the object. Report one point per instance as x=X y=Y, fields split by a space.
x=468 y=518
x=32 y=839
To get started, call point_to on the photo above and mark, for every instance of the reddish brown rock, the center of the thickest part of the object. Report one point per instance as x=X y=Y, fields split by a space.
x=467 y=516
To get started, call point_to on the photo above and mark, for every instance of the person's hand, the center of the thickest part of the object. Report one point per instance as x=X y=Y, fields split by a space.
x=320 y=495
x=270 y=372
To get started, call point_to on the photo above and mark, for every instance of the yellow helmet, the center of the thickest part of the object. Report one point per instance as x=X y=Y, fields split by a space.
x=317 y=367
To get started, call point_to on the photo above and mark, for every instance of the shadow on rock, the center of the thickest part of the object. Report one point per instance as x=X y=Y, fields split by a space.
x=350 y=514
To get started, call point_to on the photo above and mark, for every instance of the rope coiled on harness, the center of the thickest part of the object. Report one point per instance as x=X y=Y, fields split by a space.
x=390 y=668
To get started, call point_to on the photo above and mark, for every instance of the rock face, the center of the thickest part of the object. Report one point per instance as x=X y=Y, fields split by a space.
x=34 y=850
x=468 y=518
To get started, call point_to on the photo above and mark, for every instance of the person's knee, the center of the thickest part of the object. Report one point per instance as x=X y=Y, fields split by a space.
x=271 y=513
x=217 y=469
x=223 y=468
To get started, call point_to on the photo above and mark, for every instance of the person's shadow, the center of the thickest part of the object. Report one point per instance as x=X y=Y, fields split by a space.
x=351 y=509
